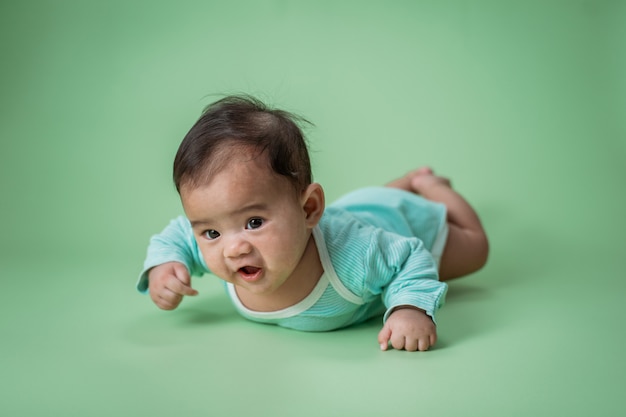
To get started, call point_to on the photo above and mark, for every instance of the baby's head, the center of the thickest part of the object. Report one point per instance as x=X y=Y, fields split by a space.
x=244 y=177
x=238 y=125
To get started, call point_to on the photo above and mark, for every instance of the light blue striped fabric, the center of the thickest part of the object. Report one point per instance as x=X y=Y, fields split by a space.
x=373 y=260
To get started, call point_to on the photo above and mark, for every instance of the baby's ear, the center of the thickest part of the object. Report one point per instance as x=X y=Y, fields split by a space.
x=313 y=204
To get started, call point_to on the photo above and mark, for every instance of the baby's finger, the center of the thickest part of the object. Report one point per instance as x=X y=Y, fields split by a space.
x=164 y=305
x=383 y=338
x=177 y=287
x=181 y=272
x=424 y=344
x=170 y=295
x=398 y=341
x=182 y=275
x=168 y=301
x=187 y=290
x=411 y=344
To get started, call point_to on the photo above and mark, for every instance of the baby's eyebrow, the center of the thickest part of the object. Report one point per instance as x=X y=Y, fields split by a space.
x=250 y=207
x=241 y=210
x=196 y=223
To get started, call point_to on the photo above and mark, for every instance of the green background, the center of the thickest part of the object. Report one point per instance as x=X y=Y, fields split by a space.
x=521 y=104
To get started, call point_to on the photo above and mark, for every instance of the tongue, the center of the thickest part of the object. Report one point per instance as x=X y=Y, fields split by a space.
x=249 y=270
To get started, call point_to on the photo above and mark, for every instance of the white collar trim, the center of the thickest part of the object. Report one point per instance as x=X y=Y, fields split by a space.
x=329 y=276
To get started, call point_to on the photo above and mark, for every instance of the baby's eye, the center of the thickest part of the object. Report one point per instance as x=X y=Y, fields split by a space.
x=211 y=234
x=254 y=223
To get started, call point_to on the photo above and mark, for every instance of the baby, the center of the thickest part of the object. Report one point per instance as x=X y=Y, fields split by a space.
x=255 y=219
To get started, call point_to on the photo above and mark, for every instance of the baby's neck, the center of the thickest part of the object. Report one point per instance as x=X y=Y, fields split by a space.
x=297 y=287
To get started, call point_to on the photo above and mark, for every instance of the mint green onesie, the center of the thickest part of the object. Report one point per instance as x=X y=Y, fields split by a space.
x=379 y=247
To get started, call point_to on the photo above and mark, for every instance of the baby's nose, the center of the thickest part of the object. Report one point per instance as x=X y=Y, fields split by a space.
x=236 y=247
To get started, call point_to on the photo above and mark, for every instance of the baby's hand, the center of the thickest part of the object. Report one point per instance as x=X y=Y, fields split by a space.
x=408 y=328
x=168 y=283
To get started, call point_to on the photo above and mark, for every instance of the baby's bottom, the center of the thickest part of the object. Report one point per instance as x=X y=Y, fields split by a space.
x=467 y=247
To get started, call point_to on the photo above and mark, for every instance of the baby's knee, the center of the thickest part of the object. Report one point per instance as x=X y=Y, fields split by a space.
x=466 y=252
x=481 y=245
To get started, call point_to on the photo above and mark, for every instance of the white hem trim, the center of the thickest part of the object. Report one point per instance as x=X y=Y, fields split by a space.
x=440 y=242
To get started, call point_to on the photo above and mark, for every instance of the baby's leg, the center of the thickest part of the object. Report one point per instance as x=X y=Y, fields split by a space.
x=467 y=246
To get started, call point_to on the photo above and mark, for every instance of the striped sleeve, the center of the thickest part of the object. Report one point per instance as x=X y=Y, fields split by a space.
x=373 y=263
x=175 y=243
x=404 y=273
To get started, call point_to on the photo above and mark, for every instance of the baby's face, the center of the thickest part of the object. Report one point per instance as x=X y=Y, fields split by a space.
x=249 y=225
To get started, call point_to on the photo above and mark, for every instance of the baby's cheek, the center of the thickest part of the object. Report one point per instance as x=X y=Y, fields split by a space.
x=211 y=261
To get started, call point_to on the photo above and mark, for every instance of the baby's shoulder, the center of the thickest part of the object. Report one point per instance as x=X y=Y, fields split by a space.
x=338 y=224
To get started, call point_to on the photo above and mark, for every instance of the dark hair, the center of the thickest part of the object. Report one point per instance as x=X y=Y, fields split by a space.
x=243 y=122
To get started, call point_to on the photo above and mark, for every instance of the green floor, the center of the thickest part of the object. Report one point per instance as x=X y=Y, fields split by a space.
x=523 y=106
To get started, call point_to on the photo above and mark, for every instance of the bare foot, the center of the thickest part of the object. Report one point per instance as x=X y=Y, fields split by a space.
x=418 y=180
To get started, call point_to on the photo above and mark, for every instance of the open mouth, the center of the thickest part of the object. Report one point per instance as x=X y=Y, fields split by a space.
x=250 y=273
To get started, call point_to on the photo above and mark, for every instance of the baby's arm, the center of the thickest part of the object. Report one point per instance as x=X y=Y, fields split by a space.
x=408 y=328
x=173 y=256
x=405 y=274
